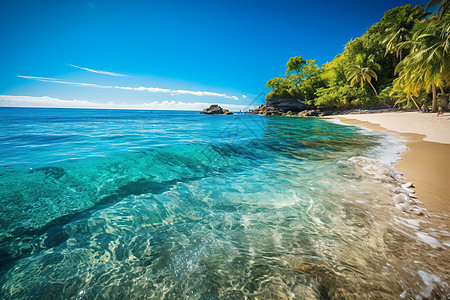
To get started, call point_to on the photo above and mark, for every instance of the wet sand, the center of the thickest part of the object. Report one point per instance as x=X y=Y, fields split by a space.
x=426 y=163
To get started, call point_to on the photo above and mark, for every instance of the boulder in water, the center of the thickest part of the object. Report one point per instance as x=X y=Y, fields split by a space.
x=215 y=109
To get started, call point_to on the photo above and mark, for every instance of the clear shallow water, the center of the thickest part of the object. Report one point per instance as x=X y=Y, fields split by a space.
x=114 y=204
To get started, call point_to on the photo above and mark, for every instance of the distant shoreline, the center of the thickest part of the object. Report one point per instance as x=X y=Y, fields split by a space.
x=426 y=163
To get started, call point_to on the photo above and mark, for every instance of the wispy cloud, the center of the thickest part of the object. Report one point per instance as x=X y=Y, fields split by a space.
x=203 y=93
x=144 y=89
x=45 y=101
x=141 y=88
x=30 y=101
x=99 y=71
x=53 y=80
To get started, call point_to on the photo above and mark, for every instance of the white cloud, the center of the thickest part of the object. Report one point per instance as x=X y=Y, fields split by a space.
x=244 y=97
x=45 y=101
x=54 y=80
x=199 y=93
x=152 y=89
x=99 y=71
x=9 y=100
x=141 y=88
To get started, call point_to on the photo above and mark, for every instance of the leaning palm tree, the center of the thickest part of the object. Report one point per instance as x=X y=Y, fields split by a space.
x=363 y=71
x=408 y=84
x=427 y=66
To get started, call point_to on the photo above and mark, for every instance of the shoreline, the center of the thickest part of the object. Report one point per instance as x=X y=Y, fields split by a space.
x=426 y=162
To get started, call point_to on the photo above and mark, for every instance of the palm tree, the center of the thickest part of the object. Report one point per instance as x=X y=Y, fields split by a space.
x=407 y=84
x=363 y=71
x=428 y=64
x=393 y=39
x=398 y=27
x=444 y=6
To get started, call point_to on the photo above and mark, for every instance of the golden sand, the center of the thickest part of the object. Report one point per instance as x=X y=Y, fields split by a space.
x=426 y=163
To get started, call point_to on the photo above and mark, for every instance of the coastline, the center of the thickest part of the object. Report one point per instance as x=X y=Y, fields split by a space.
x=426 y=162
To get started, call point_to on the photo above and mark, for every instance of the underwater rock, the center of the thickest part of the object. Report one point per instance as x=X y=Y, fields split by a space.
x=55 y=172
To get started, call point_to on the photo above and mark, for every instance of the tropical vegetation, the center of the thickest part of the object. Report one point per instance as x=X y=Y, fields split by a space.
x=403 y=60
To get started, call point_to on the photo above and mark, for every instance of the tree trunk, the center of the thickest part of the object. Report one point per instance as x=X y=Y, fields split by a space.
x=373 y=88
x=444 y=98
x=415 y=103
x=434 y=103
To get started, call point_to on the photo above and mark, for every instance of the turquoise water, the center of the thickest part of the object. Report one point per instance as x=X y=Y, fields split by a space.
x=117 y=204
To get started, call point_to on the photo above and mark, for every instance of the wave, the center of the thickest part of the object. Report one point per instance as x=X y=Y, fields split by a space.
x=403 y=196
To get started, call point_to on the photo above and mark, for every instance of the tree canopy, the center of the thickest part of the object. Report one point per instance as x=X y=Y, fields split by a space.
x=406 y=55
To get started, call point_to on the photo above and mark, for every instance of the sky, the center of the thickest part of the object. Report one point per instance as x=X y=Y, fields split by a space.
x=182 y=55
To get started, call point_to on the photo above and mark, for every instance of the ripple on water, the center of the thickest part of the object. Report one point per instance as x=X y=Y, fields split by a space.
x=285 y=214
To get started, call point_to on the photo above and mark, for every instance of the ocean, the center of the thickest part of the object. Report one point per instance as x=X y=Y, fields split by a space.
x=127 y=204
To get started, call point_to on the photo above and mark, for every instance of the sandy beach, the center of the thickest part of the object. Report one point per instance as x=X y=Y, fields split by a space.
x=426 y=163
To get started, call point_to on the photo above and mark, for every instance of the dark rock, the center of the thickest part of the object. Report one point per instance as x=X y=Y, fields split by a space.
x=55 y=172
x=266 y=110
x=286 y=105
x=215 y=109
x=309 y=113
x=280 y=107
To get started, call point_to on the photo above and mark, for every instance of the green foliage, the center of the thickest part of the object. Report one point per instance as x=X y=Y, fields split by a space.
x=300 y=82
x=362 y=71
x=427 y=66
x=345 y=97
x=281 y=90
x=400 y=22
x=404 y=55
x=296 y=64
x=273 y=83
x=390 y=96
x=444 y=6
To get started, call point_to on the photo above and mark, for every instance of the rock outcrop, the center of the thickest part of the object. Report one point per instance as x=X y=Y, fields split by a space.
x=286 y=105
x=318 y=111
x=271 y=111
x=310 y=113
x=266 y=110
x=215 y=109
x=282 y=107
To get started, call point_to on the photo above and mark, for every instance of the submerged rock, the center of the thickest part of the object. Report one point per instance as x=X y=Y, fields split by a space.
x=55 y=172
x=215 y=109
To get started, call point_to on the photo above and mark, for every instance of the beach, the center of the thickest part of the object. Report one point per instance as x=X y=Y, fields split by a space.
x=426 y=163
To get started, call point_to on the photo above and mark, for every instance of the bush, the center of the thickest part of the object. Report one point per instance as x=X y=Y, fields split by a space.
x=345 y=97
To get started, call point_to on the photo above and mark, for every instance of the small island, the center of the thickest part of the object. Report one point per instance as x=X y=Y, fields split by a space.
x=215 y=109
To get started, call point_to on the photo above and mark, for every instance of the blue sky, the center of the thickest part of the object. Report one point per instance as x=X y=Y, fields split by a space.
x=166 y=54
